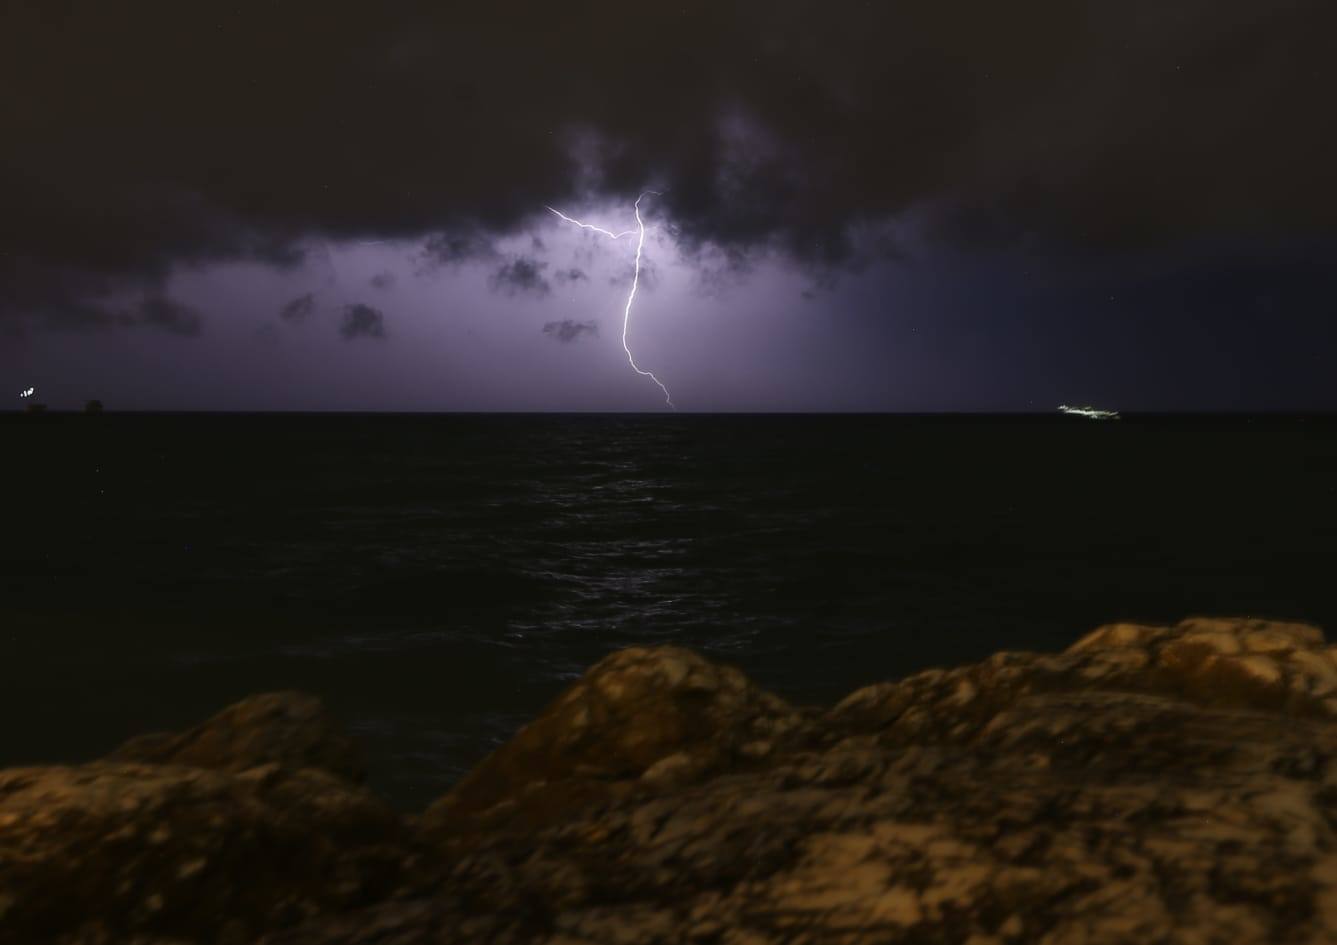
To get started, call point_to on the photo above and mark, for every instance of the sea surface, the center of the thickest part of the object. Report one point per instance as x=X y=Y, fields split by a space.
x=438 y=579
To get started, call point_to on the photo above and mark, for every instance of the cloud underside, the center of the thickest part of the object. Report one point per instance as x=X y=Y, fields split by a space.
x=362 y=321
x=155 y=312
x=567 y=330
x=782 y=124
x=522 y=275
x=298 y=309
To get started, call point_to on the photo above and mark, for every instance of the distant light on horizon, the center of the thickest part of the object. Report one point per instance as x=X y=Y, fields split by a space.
x=1091 y=413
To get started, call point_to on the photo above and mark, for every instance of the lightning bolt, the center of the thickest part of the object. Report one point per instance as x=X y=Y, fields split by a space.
x=639 y=233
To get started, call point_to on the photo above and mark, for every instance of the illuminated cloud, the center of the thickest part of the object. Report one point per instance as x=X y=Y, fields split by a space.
x=788 y=127
x=569 y=330
x=362 y=321
x=522 y=275
x=455 y=247
x=299 y=308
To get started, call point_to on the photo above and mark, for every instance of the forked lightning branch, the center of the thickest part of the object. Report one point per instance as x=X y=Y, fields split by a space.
x=639 y=233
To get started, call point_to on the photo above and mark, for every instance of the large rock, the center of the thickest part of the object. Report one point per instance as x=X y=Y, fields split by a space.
x=106 y=852
x=1151 y=784
x=1158 y=784
x=291 y=729
x=1227 y=663
x=641 y=720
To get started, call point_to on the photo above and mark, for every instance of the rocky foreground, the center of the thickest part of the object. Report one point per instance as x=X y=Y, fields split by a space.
x=1148 y=785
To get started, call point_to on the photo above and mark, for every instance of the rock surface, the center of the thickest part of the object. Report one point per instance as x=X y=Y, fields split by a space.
x=291 y=729
x=1150 y=784
x=641 y=719
x=107 y=851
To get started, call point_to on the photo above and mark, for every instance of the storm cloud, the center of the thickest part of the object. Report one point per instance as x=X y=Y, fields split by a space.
x=568 y=330
x=362 y=321
x=785 y=125
x=168 y=315
x=299 y=308
x=456 y=247
x=154 y=311
x=522 y=275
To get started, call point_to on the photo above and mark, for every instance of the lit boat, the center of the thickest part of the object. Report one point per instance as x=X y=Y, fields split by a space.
x=1091 y=413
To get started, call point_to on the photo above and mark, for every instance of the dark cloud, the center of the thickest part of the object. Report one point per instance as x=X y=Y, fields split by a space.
x=521 y=275
x=456 y=247
x=382 y=280
x=567 y=331
x=154 y=311
x=299 y=308
x=168 y=315
x=719 y=272
x=648 y=278
x=67 y=315
x=570 y=274
x=362 y=321
x=140 y=134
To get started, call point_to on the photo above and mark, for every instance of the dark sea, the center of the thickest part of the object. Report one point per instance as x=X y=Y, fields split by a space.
x=438 y=579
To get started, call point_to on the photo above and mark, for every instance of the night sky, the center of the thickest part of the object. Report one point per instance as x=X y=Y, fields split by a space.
x=930 y=205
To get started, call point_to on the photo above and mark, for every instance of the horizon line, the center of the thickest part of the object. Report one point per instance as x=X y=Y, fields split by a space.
x=982 y=412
